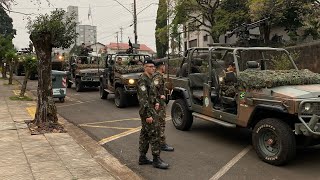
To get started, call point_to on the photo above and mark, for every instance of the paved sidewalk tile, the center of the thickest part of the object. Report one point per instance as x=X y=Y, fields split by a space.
x=90 y=172
x=53 y=175
x=38 y=167
x=41 y=154
x=15 y=172
x=56 y=139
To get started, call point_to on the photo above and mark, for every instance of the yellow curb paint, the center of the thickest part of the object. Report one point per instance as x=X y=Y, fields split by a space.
x=107 y=127
x=17 y=92
x=111 y=138
x=31 y=111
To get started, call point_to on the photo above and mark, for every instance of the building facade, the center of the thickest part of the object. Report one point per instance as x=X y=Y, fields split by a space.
x=87 y=34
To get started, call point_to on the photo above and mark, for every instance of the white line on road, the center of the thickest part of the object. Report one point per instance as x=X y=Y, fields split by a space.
x=231 y=163
x=75 y=103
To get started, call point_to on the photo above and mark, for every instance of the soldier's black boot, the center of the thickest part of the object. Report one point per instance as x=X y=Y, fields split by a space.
x=166 y=147
x=144 y=160
x=158 y=163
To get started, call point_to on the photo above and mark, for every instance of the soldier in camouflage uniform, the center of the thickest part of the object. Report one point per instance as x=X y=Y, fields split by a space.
x=158 y=81
x=149 y=119
x=228 y=85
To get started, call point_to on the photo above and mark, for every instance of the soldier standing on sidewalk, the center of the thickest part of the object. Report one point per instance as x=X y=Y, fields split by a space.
x=150 y=124
x=158 y=81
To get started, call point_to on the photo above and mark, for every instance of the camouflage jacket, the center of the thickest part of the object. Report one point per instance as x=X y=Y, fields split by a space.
x=158 y=82
x=147 y=93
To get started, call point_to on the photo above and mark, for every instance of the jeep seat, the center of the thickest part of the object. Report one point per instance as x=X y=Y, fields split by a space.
x=196 y=85
x=252 y=64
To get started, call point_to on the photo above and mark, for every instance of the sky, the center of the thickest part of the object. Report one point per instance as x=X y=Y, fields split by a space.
x=107 y=15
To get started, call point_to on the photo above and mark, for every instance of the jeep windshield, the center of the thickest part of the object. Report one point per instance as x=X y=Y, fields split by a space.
x=129 y=59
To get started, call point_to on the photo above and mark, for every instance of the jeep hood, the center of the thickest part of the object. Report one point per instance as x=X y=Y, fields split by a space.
x=297 y=91
x=91 y=70
x=131 y=76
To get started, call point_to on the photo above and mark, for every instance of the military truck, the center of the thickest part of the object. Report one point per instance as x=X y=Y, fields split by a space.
x=266 y=93
x=84 y=72
x=120 y=77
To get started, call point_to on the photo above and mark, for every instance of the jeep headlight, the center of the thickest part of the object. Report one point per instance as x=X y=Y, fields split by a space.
x=131 y=81
x=307 y=107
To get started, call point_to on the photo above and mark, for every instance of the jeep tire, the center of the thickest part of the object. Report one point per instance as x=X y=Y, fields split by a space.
x=103 y=93
x=274 y=141
x=79 y=86
x=181 y=117
x=120 y=98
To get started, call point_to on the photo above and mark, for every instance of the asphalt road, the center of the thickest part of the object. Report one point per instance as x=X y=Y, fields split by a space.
x=206 y=151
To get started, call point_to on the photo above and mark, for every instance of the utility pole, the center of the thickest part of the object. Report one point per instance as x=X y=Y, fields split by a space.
x=121 y=32
x=117 y=40
x=135 y=22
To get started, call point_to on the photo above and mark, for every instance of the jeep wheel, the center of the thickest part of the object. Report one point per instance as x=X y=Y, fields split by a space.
x=274 y=141
x=181 y=117
x=103 y=93
x=79 y=86
x=120 y=98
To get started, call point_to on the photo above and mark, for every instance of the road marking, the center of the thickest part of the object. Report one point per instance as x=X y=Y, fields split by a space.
x=119 y=120
x=32 y=111
x=107 y=127
x=126 y=133
x=75 y=103
x=231 y=163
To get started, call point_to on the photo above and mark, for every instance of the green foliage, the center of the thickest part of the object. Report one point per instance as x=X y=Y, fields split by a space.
x=30 y=63
x=6 y=26
x=161 y=29
x=62 y=28
x=5 y=46
x=281 y=62
x=11 y=55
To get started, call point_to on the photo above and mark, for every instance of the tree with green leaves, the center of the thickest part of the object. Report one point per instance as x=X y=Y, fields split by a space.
x=46 y=32
x=11 y=57
x=6 y=26
x=211 y=16
x=162 y=29
x=5 y=46
x=30 y=65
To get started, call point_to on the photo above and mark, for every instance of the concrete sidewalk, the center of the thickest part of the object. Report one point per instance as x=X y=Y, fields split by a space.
x=49 y=156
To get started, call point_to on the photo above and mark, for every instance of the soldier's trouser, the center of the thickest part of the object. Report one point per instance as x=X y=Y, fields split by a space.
x=162 y=124
x=149 y=135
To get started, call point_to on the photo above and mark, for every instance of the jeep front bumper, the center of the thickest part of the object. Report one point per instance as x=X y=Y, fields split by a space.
x=309 y=115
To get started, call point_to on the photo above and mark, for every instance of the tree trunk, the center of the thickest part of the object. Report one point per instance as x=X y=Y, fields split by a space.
x=10 y=71
x=46 y=113
x=24 y=85
x=4 y=70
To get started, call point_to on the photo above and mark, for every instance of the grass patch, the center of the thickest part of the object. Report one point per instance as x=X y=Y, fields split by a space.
x=18 y=98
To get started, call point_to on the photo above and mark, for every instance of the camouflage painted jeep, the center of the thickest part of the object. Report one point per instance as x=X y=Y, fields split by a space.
x=84 y=72
x=120 y=77
x=266 y=94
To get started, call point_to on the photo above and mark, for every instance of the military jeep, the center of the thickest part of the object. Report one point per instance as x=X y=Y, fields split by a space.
x=120 y=77
x=266 y=93
x=84 y=72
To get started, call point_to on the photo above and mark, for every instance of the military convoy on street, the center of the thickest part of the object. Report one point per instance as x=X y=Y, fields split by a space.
x=120 y=77
x=256 y=88
x=84 y=72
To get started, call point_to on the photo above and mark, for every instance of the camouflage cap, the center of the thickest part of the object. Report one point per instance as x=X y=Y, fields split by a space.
x=148 y=61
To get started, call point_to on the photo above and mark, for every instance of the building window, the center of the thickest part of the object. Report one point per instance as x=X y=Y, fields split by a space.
x=205 y=38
